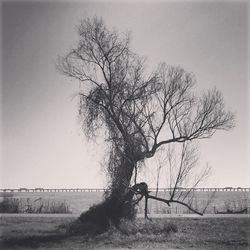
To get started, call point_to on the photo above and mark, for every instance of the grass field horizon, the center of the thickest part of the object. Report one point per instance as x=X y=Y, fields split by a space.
x=80 y=201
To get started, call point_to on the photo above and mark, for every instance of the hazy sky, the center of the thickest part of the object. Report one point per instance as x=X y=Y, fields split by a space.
x=42 y=144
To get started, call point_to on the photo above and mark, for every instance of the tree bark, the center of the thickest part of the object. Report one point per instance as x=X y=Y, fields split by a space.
x=117 y=203
x=146 y=207
x=120 y=194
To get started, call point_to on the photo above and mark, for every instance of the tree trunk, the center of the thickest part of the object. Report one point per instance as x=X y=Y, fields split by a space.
x=116 y=205
x=146 y=207
x=120 y=195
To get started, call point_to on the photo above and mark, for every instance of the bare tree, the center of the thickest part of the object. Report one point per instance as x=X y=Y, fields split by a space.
x=141 y=112
x=183 y=176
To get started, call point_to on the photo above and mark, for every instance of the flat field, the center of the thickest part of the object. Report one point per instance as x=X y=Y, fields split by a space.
x=48 y=232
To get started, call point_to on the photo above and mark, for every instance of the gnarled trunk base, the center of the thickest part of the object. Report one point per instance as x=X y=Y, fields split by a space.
x=99 y=217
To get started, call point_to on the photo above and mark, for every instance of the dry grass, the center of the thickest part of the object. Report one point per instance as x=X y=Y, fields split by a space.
x=193 y=233
x=16 y=205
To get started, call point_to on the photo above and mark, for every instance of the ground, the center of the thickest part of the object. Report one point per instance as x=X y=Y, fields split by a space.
x=48 y=232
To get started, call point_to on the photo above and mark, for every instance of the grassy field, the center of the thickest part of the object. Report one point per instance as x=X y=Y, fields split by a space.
x=81 y=201
x=27 y=232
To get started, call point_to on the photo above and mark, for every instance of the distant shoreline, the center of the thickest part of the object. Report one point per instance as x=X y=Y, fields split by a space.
x=37 y=190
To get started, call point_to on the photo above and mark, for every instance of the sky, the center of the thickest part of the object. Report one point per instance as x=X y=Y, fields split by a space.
x=42 y=144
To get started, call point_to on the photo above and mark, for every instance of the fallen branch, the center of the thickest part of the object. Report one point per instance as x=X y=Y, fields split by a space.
x=174 y=201
x=142 y=189
x=186 y=205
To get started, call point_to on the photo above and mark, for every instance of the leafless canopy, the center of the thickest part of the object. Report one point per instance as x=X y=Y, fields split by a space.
x=182 y=175
x=140 y=111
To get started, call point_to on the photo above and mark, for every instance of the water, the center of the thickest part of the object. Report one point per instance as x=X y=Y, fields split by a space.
x=81 y=201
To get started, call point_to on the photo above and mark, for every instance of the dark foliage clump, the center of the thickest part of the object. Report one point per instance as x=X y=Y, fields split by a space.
x=99 y=217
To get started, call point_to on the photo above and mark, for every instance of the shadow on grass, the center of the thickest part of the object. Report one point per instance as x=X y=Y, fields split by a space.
x=32 y=241
x=61 y=233
x=126 y=233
